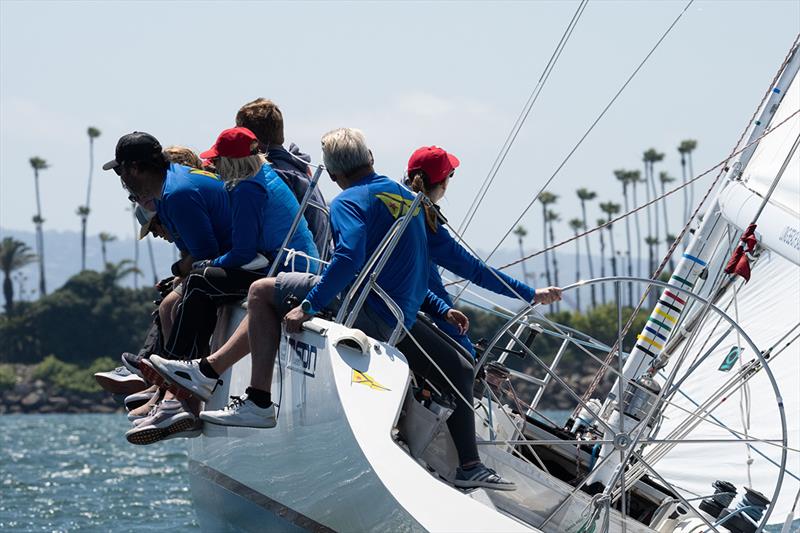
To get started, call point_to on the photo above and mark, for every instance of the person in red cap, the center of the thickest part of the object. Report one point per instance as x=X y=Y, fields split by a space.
x=429 y=171
x=263 y=209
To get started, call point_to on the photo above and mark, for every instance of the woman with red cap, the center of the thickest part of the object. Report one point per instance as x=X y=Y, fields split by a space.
x=263 y=209
x=430 y=169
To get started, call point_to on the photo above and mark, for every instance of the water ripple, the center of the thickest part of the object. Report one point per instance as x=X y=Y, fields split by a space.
x=77 y=472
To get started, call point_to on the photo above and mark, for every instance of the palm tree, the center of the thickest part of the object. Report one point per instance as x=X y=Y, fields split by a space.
x=37 y=163
x=105 y=238
x=84 y=210
x=600 y=222
x=585 y=195
x=689 y=146
x=14 y=255
x=625 y=177
x=611 y=209
x=636 y=178
x=682 y=151
x=576 y=224
x=665 y=178
x=152 y=260
x=651 y=157
x=546 y=198
x=652 y=242
x=115 y=272
x=521 y=232
x=552 y=217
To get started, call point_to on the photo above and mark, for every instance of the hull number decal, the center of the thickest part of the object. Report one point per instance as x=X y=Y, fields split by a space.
x=303 y=357
x=365 y=379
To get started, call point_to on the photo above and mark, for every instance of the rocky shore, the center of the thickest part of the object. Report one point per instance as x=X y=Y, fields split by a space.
x=30 y=395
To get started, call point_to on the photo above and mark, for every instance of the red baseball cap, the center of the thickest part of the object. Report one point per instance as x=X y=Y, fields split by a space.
x=434 y=161
x=233 y=143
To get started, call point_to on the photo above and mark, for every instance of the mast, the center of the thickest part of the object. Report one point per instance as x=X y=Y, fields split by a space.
x=648 y=353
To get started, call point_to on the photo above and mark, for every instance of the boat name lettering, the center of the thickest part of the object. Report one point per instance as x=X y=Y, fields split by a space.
x=790 y=236
x=304 y=359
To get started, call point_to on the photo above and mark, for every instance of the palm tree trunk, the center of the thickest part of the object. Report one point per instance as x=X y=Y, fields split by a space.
x=85 y=218
x=588 y=253
x=655 y=205
x=522 y=264
x=8 y=292
x=613 y=251
x=691 y=176
x=638 y=235
x=152 y=260
x=685 y=189
x=135 y=249
x=647 y=192
x=103 y=251
x=667 y=241
x=578 y=271
x=555 y=264
x=544 y=242
x=628 y=237
x=39 y=236
x=602 y=266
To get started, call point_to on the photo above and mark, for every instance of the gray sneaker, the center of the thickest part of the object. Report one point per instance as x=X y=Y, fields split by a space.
x=481 y=476
x=168 y=421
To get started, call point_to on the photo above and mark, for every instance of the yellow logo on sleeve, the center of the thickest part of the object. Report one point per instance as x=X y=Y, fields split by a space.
x=204 y=173
x=396 y=204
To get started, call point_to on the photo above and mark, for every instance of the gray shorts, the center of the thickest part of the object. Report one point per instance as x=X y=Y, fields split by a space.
x=297 y=285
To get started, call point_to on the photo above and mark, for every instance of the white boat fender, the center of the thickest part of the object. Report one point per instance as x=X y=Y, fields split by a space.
x=356 y=339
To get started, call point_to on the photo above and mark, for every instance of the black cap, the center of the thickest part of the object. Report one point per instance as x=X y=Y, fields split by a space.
x=136 y=146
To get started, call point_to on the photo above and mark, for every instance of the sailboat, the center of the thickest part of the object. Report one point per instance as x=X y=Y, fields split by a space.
x=700 y=432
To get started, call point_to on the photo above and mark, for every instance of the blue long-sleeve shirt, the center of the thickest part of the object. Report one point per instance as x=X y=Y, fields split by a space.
x=263 y=208
x=195 y=209
x=445 y=251
x=360 y=218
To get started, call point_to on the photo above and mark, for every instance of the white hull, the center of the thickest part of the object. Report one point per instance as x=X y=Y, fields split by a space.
x=332 y=463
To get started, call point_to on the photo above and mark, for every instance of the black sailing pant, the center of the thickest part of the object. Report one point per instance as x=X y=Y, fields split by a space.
x=458 y=370
x=205 y=290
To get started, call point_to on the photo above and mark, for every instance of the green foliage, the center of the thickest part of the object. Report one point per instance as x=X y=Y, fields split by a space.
x=7 y=377
x=70 y=377
x=89 y=317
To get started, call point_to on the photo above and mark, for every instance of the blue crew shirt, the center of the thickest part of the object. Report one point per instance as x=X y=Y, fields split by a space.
x=195 y=209
x=263 y=209
x=360 y=218
x=446 y=252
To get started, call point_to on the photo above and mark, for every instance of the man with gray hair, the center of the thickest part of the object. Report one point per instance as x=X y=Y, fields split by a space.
x=361 y=216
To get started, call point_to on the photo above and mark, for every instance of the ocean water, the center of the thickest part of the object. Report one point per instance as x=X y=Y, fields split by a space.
x=78 y=473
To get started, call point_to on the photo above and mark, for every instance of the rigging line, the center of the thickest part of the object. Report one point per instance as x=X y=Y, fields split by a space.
x=643 y=206
x=521 y=118
x=592 y=126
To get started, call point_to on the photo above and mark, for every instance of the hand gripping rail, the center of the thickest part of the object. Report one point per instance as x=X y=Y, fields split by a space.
x=373 y=268
x=296 y=222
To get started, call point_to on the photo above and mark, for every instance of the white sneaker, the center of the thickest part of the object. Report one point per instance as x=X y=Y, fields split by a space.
x=186 y=375
x=242 y=413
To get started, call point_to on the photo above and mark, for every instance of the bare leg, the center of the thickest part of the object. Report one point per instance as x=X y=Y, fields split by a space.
x=236 y=347
x=166 y=312
x=265 y=337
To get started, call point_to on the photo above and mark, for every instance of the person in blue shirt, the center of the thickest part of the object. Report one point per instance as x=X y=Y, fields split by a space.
x=429 y=171
x=264 y=118
x=194 y=208
x=262 y=211
x=361 y=216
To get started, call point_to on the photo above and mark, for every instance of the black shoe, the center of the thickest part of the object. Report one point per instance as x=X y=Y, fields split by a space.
x=131 y=362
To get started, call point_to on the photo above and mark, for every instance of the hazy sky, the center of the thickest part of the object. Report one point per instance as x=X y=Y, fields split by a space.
x=408 y=74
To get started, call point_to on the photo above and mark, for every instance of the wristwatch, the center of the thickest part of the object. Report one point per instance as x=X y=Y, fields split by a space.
x=307 y=309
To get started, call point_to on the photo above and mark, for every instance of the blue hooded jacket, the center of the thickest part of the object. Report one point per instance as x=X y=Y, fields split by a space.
x=263 y=208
